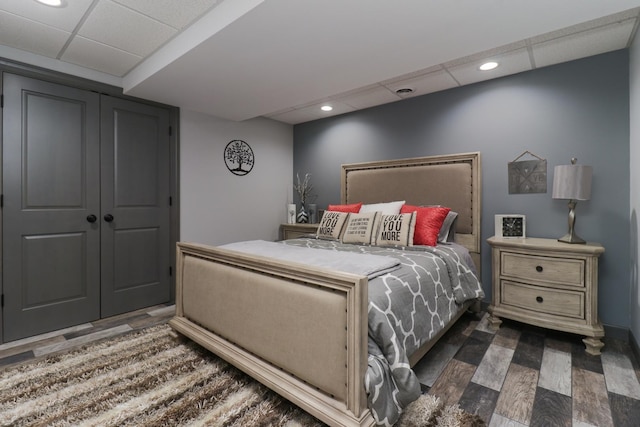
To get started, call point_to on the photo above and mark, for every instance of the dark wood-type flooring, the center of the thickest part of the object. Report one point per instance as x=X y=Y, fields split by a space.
x=518 y=376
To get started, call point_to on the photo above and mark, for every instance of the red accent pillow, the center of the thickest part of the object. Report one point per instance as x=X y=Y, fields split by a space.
x=428 y=223
x=352 y=208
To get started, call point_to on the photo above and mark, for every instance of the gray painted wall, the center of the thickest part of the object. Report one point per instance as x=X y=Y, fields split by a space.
x=576 y=109
x=218 y=207
x=634 y=159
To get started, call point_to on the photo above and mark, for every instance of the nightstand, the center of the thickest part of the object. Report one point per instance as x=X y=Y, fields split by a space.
x=292 y=231
x=549 y=284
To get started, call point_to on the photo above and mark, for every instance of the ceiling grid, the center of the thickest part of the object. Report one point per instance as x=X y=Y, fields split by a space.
x=257 y=63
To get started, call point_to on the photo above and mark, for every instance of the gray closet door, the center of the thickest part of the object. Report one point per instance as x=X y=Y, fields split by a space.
x=51 y=242
x=135 y=205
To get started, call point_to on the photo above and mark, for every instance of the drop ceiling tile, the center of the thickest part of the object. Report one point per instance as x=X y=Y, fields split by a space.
x=427 y=83
x=64 y=18
x=312 y=112
x=97 y=56
x=125 y=29
x=174 y=13
x=580 y=45
x=338 y=108
x=294 y=117
x=509 y=63
x=589 y=25
x=487 y=54
x=369 y=97
x=31 y=36
x=411 y=75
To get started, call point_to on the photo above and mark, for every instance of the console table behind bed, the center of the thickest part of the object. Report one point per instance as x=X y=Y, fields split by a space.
x=302 y=331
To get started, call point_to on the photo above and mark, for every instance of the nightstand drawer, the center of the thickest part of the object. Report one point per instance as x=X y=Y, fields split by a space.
x=562 y=271
x=536 y=298
x=294 y=231
x=294 y=234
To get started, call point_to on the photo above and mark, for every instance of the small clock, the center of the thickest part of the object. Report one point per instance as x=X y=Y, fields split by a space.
x=510 y=226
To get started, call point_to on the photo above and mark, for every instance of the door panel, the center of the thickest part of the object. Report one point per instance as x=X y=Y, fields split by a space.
x=56 y=257
x=135 y=192
x=137 y=159
x=51 y=270
x=139 y=264
x=53 y=153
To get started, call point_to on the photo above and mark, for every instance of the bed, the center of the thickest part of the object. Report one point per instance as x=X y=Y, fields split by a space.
x=300 y=329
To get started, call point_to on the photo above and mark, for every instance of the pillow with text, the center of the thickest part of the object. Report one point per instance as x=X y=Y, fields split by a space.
x=331 y=225
x=396 y=230
x=360 y=228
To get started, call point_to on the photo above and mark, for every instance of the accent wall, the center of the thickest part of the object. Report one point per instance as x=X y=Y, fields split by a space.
x=575 y=109
x=634 y=161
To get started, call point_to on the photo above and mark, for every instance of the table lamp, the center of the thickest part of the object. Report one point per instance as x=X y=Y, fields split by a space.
x=572 y=182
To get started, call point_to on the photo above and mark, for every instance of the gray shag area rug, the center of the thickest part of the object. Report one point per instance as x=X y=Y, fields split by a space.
x=153 y=378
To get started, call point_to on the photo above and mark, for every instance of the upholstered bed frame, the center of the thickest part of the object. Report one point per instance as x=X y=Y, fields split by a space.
x=302 y=330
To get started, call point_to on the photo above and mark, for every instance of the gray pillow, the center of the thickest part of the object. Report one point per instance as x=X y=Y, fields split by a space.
x=447 y=231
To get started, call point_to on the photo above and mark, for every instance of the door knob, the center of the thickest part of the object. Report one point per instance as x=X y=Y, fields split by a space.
x=108 y=217
x=92 y=218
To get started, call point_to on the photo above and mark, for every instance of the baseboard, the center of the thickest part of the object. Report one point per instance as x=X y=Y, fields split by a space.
x=617 y=333
x=634 y=345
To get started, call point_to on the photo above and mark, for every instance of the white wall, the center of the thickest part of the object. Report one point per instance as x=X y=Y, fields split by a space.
x=634 y=158
x=218 y=207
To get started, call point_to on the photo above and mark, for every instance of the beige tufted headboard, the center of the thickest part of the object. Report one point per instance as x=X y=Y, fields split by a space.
x=449 y=180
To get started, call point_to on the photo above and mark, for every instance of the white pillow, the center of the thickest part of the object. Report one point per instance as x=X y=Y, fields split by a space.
x=388 y=208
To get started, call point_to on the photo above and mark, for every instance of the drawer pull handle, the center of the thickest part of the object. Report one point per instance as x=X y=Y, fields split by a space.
x=539 y=299
x=539 y=269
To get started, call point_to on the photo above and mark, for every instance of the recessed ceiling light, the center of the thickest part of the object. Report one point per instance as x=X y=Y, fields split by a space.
x=488 y=66
x=54 y=3
x=326 y=108
x=404 y=90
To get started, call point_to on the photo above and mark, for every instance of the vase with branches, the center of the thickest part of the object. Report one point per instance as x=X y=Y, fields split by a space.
x=304 y=190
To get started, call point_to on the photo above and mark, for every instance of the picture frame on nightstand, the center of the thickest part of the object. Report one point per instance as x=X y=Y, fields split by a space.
x=510 y=226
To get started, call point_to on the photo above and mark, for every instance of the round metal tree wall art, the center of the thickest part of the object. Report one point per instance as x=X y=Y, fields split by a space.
x=238 y=157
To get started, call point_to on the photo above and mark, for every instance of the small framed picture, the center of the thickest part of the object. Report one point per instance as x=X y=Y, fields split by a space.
x=511 y=226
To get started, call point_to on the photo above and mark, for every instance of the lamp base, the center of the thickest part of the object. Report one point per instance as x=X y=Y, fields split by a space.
x=571 y=238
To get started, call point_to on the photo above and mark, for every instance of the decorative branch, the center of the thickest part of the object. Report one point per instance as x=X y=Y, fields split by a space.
x=304 y=188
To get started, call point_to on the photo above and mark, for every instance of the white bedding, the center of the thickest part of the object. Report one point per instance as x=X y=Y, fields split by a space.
x=360 y=264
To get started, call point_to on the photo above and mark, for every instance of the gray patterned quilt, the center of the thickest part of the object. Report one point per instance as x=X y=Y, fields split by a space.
x=407 y=307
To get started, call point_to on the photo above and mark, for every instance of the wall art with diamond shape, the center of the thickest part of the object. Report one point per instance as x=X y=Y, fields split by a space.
x=527 y=176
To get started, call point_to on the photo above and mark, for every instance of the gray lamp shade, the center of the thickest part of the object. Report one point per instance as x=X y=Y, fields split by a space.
x=572 y=182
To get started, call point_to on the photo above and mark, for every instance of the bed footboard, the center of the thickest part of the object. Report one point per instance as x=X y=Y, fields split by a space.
x=299 y=330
